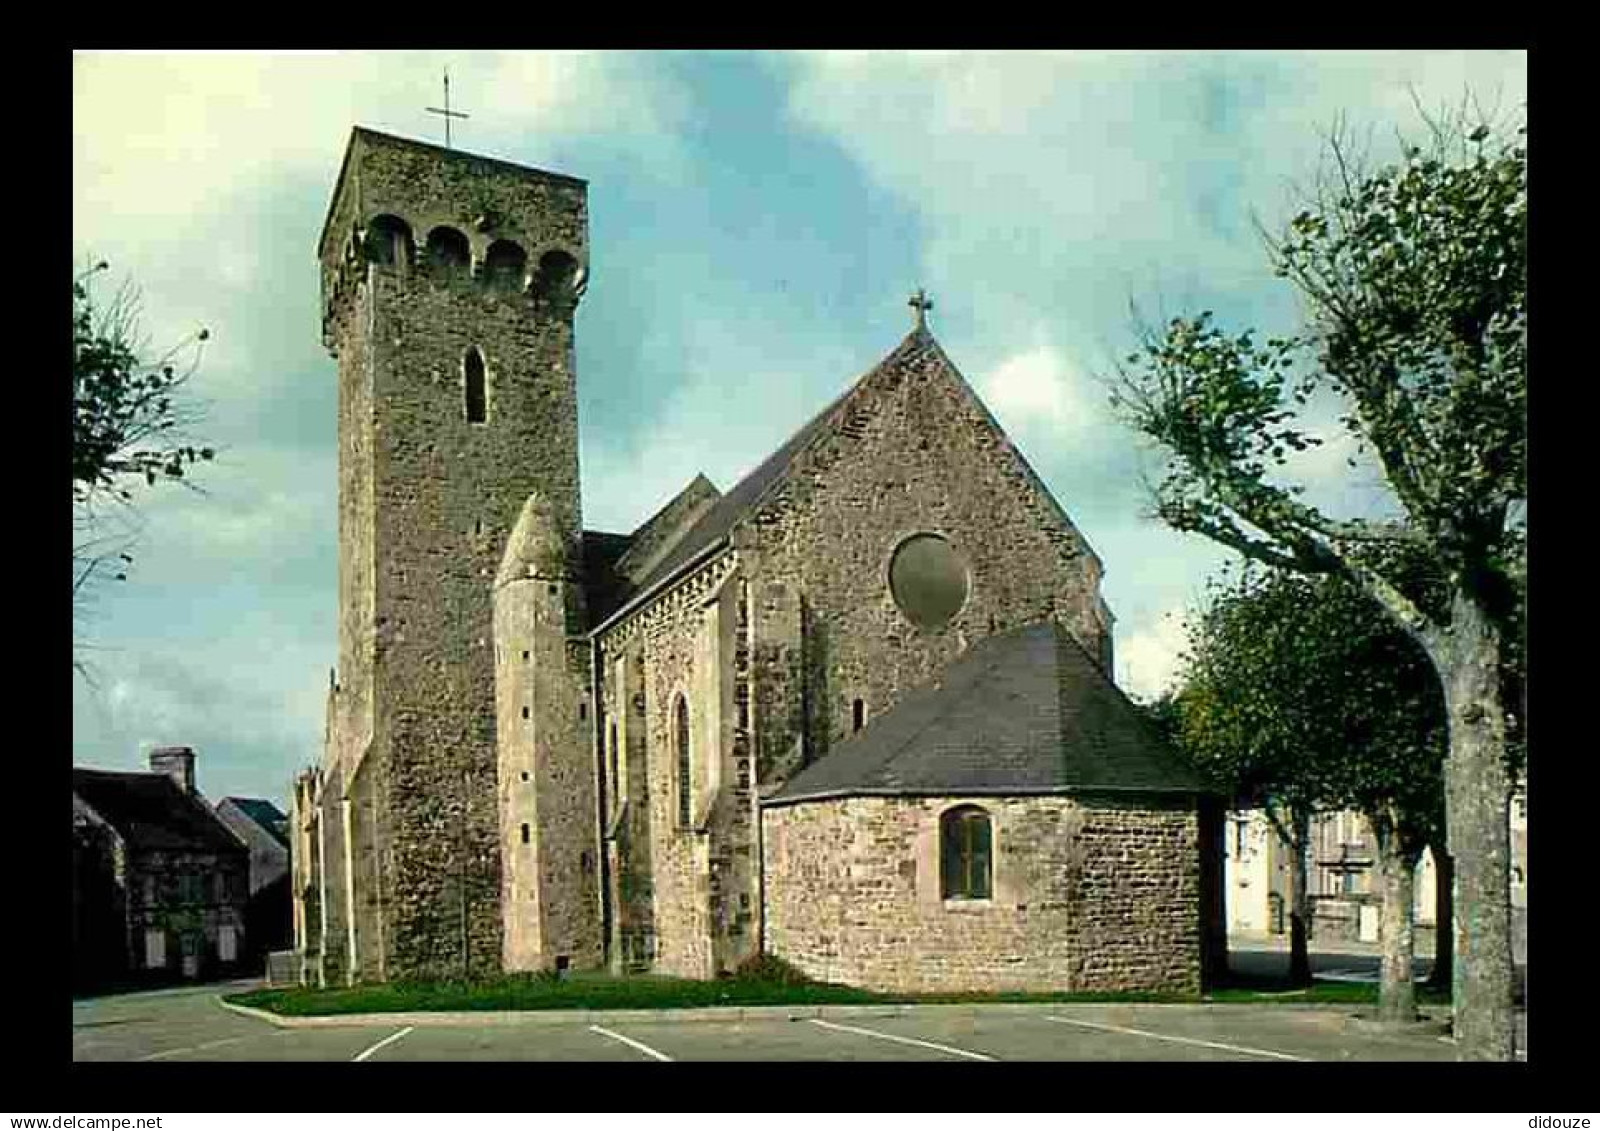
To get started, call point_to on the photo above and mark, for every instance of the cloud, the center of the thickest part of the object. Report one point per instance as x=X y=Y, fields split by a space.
x=1038 y=390
x=1149 y=658
x=251 y=735
x=757 y=221
x=1067 y=182
x=175 y=135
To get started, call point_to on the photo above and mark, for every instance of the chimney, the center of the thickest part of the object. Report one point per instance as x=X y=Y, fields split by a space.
x=177 y=762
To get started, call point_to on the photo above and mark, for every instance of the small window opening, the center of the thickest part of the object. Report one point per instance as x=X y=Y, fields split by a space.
x=524 y=712
x=449 y=253
x=583 y=710
x=525 y=654
x=524 y=775
x=524 y=834
x=562 y=962
x=858 y=715
x=964 y=837
x=504 y=265
x=477 y=400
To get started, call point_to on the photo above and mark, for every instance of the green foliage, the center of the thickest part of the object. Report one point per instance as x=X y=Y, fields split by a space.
x=125 y=415
x=592 y=990
x=128 y=424
x=1299 y=691
x=1415 y=280
x=772 y=970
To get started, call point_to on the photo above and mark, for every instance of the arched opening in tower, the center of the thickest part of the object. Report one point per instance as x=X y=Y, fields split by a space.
x=477 y=401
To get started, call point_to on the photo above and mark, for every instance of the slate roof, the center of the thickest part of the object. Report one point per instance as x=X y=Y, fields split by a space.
x=151 y=811
x=263 y=813
x=604 y=587
x=1025 y=712
x=715 y=524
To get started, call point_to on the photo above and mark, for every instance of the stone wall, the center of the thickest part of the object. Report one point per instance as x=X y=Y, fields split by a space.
x=915 y=452
x=629 y=818
x=701 y=876
x=1088 y=895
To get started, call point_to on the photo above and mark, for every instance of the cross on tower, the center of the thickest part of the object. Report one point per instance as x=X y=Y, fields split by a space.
x=921 y=303
x=447 y=113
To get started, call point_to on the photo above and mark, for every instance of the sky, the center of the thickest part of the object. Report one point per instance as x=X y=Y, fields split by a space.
x=757 y=222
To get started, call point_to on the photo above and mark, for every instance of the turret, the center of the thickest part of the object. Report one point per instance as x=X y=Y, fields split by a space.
x=548 y=818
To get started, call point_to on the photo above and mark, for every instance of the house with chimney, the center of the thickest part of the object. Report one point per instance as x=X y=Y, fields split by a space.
x=160 y=883
x=265 y=828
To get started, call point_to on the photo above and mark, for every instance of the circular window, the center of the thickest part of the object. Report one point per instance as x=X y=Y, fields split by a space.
x=928 y=580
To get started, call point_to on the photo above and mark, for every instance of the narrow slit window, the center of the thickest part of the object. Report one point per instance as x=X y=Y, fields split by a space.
x=858 y=715
x=681 y=741
x=477 y=399
x=616 y=781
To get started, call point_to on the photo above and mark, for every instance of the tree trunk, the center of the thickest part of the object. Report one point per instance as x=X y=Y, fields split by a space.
x=1300 y=901
x=1444 y=883
x=1477 y=798
x=1397 y=996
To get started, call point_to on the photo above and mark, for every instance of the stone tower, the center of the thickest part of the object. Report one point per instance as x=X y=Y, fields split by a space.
x=450 y=283
x=549 y=888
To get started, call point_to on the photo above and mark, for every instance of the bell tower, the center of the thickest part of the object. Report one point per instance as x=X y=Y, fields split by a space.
x=450 y=284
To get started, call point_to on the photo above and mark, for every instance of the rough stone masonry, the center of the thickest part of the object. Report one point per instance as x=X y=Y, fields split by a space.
x=735 y=730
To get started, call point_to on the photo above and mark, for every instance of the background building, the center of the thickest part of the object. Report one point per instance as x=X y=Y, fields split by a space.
x=264 y=828
x=1342 y=876
x=160 y=884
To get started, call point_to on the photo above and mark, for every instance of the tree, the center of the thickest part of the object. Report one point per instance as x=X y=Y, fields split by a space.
x=1239 y=723
x=1414 y=280
x=1299 y=691
x=128 y=426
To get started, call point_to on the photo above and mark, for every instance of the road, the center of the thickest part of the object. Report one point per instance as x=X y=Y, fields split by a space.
x=190 y=1024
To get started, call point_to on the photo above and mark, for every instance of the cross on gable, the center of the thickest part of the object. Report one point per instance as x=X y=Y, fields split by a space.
x=447 y=113
x=921 y=303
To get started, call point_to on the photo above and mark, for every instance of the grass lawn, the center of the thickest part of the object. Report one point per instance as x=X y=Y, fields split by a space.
x=595 y=990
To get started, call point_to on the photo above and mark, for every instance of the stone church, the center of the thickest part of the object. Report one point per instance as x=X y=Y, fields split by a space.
x=856 y=712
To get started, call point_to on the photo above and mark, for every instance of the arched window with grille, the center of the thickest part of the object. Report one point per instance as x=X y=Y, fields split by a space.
x=966 y=863
x=477 y=399
x=682 y=753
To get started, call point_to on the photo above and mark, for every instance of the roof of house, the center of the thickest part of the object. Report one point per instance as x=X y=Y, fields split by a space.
x=151 y=811
x=1025 y=712
x=262 y=812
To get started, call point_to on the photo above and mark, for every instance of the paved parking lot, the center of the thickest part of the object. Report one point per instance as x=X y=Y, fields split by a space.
x=191 y=1024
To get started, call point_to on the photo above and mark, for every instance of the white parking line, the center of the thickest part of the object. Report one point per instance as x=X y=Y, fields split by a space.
x=901 y=1040
x=642 y=1047
x=1176 y=1040
x=192 y=1048
x=389 y=1040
